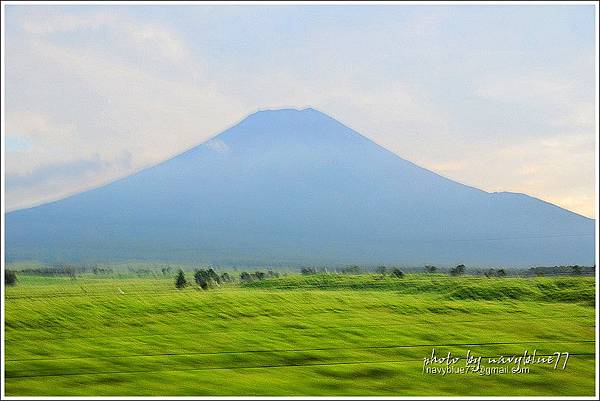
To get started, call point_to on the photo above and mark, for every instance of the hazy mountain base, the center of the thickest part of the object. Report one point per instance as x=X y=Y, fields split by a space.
x=313 y=335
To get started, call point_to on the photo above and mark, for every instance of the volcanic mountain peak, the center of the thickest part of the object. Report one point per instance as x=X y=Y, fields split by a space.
x=293 y=186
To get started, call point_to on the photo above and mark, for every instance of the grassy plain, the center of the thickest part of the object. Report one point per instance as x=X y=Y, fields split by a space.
x=294 y=335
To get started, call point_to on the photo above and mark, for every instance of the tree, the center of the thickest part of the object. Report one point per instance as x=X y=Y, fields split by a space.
x=397 y=273
x=225 y=277
x=180 y=280
x=430 y=269
x=351 y=270
x=245 y=276
x=10 y=277
x=501 y=273
x=306 y=271
x=207 y=278
x=213 y=276
x=380 y=269
x=576 y=270
x=201 y=278
x=458 y=270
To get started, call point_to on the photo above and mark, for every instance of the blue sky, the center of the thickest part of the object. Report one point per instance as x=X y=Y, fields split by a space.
x=498 y=97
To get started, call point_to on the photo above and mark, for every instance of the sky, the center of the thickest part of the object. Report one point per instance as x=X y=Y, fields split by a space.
x=498 y=97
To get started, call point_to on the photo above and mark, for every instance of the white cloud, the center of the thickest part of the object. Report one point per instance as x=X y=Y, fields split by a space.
x=49 y=21
x=39 y=127
x=162 y=41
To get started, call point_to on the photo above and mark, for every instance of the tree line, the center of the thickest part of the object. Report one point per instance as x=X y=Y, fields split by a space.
x=208 y=278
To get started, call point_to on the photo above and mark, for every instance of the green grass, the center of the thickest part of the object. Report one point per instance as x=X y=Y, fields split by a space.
x=295 y=335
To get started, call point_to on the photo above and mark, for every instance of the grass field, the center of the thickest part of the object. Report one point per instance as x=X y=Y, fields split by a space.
x=294 y=335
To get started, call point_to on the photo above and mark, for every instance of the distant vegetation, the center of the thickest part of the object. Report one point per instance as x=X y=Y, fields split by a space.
x=257 y=275
x=558 y=289
x=214 y=278
x=575 y=270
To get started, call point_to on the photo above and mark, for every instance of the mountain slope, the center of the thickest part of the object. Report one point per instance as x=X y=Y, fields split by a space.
x=297 y=187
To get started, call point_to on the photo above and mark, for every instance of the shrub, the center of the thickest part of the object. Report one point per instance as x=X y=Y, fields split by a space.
x=306 y=271
x=351 y=270
x=180 y=280
x=380 y=269
x=100 y=270
x=430 y=269
x=397 y=273
x=495 y=273
x=10 y=277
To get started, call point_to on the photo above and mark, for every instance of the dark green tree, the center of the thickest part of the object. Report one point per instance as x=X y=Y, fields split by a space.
x=201 y=278
x=180 y=280
x=397 y=273
x=458 y=270
x=430 y=269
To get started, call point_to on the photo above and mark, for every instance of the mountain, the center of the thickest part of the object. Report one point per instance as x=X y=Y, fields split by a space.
x=296 y=187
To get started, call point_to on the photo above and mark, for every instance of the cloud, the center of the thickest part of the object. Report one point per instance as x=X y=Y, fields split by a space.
x=51 y=171
x=531 y=88
x=541 y=167
x=564 y=100
x=39 y=128
x=48 y=21
x=162 y=41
